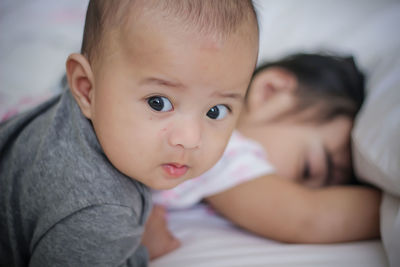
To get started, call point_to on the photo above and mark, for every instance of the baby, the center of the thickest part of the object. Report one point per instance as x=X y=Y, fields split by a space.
x=153 y=99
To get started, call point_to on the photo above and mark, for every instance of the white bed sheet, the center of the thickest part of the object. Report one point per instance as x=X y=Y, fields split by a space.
x=209 y=240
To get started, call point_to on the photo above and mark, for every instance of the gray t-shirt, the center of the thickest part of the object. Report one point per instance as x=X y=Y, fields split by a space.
x=62 y=203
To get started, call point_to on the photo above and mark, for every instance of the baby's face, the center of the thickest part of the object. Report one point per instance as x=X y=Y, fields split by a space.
x=166 y=101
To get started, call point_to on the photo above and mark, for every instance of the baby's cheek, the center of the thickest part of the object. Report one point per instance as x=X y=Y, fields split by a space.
x=213 y=154
x=165 y=129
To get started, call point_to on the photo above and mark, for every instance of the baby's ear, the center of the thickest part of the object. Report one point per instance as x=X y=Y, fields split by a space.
x=81 y=82
x=268 y=83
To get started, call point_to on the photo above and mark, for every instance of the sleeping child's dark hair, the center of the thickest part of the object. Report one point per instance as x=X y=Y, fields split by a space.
x=332 y=83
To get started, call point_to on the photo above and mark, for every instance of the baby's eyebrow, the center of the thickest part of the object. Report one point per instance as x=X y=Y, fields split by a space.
x=235 y=96
x=159 y=81
x=153 y=80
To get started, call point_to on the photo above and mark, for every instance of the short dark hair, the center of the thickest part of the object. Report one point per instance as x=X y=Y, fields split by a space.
x=216 y=16
x=332 y=83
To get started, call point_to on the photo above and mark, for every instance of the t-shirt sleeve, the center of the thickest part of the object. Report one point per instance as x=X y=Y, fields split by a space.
x=101 y=235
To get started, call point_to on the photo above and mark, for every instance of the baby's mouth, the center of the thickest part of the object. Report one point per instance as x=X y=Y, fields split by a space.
x=175 y=170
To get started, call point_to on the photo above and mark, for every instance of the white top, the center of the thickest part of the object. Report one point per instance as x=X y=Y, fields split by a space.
x=243 y=160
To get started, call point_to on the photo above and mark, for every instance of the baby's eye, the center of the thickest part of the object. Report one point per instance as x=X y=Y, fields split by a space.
x=160 y=103
x=218 y=112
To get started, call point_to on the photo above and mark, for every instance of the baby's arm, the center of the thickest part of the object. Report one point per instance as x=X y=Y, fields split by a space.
x=157 y=238
x=282 y=210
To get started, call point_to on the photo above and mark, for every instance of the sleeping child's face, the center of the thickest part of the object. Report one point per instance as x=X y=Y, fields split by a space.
x=313 y=154
x=165 y=101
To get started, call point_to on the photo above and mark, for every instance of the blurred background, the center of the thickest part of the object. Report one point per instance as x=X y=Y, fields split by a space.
x=36 y=38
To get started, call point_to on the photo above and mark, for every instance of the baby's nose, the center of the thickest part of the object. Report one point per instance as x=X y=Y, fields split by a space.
x=186 y=133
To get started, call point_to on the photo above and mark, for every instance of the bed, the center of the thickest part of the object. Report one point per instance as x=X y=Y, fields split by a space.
x=208 y=240
x=46 y=31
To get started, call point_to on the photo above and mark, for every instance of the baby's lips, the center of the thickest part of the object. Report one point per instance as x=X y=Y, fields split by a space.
x=175 y=170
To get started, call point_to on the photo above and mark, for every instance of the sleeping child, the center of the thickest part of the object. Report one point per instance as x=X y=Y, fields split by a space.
x=283 y=171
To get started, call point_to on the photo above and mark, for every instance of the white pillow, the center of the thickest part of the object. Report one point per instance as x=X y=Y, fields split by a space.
x=376 y=134
x=390 y=228
x=376 y=147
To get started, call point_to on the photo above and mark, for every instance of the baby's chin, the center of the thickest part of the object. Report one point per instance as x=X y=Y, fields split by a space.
x=166 y=184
